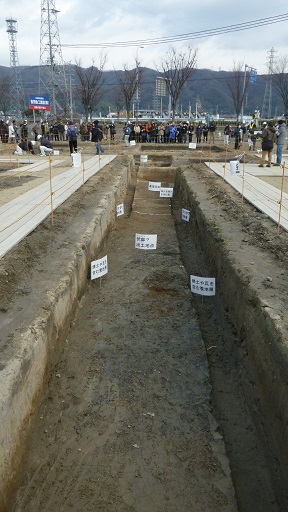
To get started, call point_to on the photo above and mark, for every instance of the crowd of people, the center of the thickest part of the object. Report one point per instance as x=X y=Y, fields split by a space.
x=269 y=134
x=165 y=133
x=141 y=132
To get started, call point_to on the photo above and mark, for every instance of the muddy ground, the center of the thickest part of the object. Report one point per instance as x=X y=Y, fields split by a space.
x=144 y=409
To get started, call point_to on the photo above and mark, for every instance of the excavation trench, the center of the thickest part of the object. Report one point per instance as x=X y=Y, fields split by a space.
x=154 y=399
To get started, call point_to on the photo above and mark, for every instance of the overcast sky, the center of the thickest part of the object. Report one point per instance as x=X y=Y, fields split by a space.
x=90 y=21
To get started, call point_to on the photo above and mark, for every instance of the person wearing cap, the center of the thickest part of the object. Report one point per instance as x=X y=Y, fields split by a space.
x=280 y=141
x=268 y=136
x=252 y=137
x=25 y=146
x=45 y=146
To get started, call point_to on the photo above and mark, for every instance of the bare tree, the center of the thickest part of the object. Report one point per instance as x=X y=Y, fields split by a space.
x=280 y=80
x=176 y=69
x=6 y=96
x=91 y=81
x=237 y=84
x=129 y=81
x=118 y=99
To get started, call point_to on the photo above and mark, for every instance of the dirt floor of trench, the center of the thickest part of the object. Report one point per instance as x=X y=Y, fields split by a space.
x=144 y=409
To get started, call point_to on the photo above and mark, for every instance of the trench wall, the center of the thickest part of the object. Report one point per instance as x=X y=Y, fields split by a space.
x=24 y=377
x=266 y=361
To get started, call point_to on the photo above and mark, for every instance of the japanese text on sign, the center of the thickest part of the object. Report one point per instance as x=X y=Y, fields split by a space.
x=166 y=192
x=119 y=210
x=146 y=242
x=39 y=102
x=99 y=268
x=203 y=285
x=185 y=215
x=154 y=185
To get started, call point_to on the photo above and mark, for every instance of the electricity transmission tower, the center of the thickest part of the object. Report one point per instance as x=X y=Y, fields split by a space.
x=52 y=77
x=17 y=87
x=267 y=101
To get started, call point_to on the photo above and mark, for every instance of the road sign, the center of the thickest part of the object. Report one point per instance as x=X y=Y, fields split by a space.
x=253 y=76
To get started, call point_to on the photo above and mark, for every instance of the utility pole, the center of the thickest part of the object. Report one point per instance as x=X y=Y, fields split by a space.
x=267 y=101
x=52 y=76
x=17 y=87
x=137 y=85
x=253 y=74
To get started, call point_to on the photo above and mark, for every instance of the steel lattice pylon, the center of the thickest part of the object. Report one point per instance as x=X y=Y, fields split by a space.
x=17 y=87
x=52 y=77
x=267 y=101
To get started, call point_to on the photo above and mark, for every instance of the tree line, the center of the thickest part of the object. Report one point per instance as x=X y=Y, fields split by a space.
x=176 y=70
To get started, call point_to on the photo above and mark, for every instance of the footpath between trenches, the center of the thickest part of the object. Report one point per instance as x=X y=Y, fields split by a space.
x=262 y=349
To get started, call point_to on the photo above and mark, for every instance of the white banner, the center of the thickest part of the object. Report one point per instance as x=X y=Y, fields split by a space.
x=99 y=268
x=203 y=285
x=146 y=242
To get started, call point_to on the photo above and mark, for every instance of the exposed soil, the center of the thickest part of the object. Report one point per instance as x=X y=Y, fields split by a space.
x=149 y=381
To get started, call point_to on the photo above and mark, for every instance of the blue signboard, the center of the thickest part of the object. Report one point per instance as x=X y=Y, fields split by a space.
x=39 y=102
x=253 y=76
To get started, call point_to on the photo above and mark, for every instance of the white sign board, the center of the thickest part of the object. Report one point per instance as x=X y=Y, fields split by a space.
x=99 y=268
x=185 y=215
x=234 y=167
x=192 y=145
x=146 y=242
x=76 y=159
x=132 y=143
x=154 y=185
x=119 y=210
x=166 y=192
x=203 y=285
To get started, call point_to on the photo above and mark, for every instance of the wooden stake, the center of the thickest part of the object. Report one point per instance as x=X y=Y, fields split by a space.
x=243 y=174
x=281 y=196
x=83 y=168
x=51 y=191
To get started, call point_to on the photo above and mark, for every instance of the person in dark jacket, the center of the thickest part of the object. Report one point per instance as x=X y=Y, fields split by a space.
x=45 y=146
x=97 y=136
x=281 y=139
x=25 y=146
x=24 y=130
x=252 y=137
x=198 y=133
x=4 y=132
x=237 y=136
x=71 y=134
x=268 y=136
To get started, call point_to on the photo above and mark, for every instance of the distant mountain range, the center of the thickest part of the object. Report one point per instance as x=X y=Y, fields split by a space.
x=206 y=87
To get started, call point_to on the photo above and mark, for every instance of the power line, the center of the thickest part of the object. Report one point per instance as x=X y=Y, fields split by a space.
x=184 y=37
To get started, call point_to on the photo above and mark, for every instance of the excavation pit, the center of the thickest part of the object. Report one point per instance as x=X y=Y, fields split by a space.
x=150 y=396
